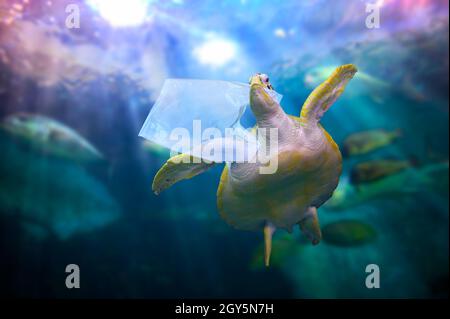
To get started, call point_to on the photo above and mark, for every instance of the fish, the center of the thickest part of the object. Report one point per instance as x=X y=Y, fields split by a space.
x=50 y=137
x=408 y=182
x=363 y=84
x=348 y=233
x=155 y=149
x=50 y=197
x=366 y=172
x=368 y=141
x=314 y=76
x=370 y=85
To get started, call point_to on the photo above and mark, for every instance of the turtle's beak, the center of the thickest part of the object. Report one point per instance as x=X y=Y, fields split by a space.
x=255 y=79
x=260 y=79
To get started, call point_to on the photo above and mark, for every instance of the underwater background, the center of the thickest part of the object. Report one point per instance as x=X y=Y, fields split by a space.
x=75 y=178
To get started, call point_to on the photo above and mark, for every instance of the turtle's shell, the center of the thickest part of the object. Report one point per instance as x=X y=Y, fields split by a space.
x=308 y=172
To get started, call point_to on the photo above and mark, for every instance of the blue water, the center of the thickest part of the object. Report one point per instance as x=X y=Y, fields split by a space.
x=102 y=79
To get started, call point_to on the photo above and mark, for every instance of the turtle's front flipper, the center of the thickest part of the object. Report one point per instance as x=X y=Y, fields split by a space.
x=320 y=100
x=310 y=226
x=177 y=168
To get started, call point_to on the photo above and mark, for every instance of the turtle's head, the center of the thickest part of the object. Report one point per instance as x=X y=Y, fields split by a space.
x=261 y=103
x=261 y=78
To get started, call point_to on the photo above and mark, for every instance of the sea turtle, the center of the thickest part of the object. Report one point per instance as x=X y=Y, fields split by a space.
x=309 y=166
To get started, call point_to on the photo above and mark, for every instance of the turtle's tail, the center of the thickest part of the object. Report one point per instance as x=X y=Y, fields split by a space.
x=269 y=229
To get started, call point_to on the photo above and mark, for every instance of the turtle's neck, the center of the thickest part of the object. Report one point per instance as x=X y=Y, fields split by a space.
x=262 y=105
x=268 y=113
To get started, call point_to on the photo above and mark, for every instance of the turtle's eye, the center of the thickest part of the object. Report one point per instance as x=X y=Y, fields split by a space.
x=264 y=78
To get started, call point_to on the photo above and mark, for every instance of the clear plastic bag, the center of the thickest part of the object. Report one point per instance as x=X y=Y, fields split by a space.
x=190 y=114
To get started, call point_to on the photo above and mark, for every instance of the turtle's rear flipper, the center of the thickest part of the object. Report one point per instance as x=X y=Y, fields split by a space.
x=310 y=226
x=320 y=100
x=177 y=168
